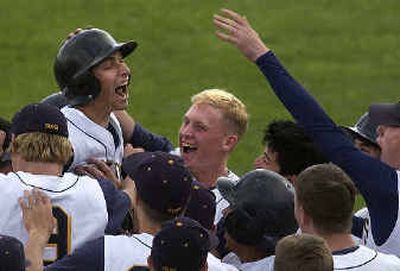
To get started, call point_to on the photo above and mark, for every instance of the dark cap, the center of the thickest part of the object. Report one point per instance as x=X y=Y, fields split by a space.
x=364 y=128
x=12 y=256
x=202 y=205
x=181 y=245
x=262 y=208
x=41 y=118
x=385 y=114
x=162 y=180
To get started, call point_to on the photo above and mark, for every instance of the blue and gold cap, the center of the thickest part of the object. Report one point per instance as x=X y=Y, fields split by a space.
x=39 y=117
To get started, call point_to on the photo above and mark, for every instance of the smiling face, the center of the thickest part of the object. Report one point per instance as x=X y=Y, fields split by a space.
x=203 y=138
x=113 y=75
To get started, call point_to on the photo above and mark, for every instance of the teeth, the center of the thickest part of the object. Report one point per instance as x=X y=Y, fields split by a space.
x=186 y=147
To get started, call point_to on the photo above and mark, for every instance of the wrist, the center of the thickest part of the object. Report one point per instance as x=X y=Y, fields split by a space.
x=39 y=237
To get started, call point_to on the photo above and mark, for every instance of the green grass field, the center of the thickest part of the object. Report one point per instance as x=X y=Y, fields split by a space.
x=344 y=51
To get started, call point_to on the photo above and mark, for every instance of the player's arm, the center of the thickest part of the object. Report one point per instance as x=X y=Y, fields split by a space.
x=139 y=136
x=367 y=173
x=39 y=223
x=88 y=257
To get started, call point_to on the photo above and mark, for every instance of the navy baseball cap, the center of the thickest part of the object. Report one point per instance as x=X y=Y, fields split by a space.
x=364 y=128
x=261 y=208
x=12 y=256
x=41 y=118
x=385 y=114
x=202 y=205
x=182 y=244
x=162 y=180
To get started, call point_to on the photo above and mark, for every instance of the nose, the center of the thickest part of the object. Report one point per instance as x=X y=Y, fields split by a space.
x=185 y=131
x=124 y=70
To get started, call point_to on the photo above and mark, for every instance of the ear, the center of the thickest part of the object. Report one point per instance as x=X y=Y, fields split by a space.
x=12 y=145
x=230 y=142
x=204 y=267
x=150 y=263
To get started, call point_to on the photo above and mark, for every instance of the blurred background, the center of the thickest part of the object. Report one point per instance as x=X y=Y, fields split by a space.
x=345 y=52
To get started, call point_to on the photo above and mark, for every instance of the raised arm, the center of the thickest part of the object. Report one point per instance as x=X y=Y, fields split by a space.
x=377 y=181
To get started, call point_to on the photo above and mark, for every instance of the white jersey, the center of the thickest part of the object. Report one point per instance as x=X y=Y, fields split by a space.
x=221 y=202
x=265 y=264
x=78 y=205
x=392 y=243
x=130 y=253
x=365 y=259
x=362 y=213
x=91 y=140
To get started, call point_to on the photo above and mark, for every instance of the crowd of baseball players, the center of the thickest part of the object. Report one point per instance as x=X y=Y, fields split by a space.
x=85 y=187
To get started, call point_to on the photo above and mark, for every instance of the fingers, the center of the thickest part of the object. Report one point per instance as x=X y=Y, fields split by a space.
x=226 y=37
x=129 y=150
x=235 y=16
x=225 y=23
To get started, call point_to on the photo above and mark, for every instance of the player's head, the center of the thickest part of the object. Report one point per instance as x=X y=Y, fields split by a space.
x=363 y=133
x=211 y=128
x=40 y=134
x=287 y=149
x=181 y=245
x=12 y=256
x=261 y=210
x=202 y=205
x=325 y=198
x=163 y=184
x=387 y=117
x=303 y=252
x=89 y=66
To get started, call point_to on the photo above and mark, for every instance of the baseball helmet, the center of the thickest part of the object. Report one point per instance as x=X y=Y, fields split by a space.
x=364 y=128
x=78 y=55
x=262 y=208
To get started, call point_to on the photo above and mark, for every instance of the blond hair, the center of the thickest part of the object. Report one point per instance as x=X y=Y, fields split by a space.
x=233 y=110
x=41 y=147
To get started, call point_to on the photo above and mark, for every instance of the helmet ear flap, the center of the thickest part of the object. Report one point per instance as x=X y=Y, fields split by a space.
x=83 y=90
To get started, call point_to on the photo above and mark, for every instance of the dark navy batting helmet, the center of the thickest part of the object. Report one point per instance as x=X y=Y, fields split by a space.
x=364 y=128
x=78 y=55
x=261 y=208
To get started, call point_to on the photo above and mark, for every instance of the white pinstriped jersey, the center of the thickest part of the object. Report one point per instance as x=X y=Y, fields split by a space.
x=265 y=264
x=91 y=140
x=79 y=207
x=392 y=243
x=221 y=202
x=131 y=252
x=365 y=259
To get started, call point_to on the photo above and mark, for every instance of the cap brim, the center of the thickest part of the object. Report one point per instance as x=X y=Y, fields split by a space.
x=227 y=189
x=385 y=114
x=127 y=48
x=354 y=132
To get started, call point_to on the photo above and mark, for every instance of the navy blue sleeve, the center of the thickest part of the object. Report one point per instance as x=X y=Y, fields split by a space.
x=358 y=226
x=118 y=204
x=149 y=141
x=376 y=181
x=89 y=257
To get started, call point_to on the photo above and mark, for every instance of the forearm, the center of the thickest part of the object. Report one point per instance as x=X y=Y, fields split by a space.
x=34 y=251
x=368 y=174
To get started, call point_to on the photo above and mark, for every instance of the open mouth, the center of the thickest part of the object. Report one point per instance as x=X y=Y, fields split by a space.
x=122 y=89
x=186 y=148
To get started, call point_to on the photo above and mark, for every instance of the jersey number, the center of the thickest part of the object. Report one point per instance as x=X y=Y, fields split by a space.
x=60 y=239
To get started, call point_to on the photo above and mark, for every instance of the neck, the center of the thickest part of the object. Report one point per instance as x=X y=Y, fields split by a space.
x=97 y=113
x=208 y=176
x=249 y=253
x=145 y=225
x=42 y=168
x=338 y=241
